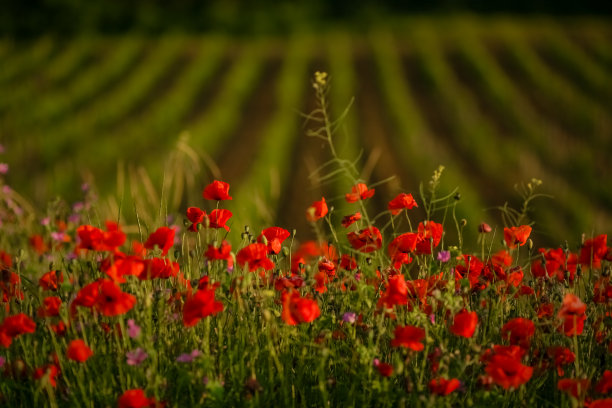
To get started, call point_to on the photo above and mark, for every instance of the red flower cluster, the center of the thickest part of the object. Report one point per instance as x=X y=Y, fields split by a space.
x=136 y=398
x=409 y=337
x=92 y=238
x=367 y=240
x=519 y=331
x=442 y=386
x=14 y=326
x=297 y=309
x=505 y=368
x=572 y=313
x=256 y=256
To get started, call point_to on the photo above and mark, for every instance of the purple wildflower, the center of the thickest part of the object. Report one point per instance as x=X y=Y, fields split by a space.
x=136 y=357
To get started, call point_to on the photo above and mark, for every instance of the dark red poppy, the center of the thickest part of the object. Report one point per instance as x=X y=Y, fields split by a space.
x=347 y=262
x=14 y=326
x=275 y=237
x=367 y=240
x=402 y=201
x=50 y=370
x=561 y=356
x=409 y=337
x=508 y=372
x=572 y=313
x=38 y=244
x=516 y=235
x=464 y=324
x=111 y=301
x=359 y=192
x=317 y=210
x=223 y=252
x=604 y=385
x=297 y=309
x=593 y=251
x=195 y=216
x=50 y=307
x=163 y=238
x=256 y=256
x=51 y=280
x=600 y=403
x=519 y=331
x=217 y=190
x=350 y=219
x=577 y=388
x=400 y=248
x=384 y=369
x=78 y=351
x=200 y=305
x=442 y=386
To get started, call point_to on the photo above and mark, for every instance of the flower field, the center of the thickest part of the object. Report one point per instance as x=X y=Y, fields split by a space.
x=380 y=309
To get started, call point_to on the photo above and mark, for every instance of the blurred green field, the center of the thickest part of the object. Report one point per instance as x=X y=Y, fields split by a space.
x=497 y=101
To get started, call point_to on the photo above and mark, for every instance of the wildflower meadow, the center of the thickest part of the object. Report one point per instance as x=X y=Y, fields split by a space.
x=396 y=308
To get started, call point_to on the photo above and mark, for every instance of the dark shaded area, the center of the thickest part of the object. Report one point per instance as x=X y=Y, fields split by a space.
x=31 y=18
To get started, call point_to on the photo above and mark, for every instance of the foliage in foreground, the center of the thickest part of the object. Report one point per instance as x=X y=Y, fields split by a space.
x=379 y=311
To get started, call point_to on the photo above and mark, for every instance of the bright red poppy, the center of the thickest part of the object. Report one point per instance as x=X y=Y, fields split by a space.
x=464 y=324
x=256 y=256
x=409 y=337
x=430 y=235
x=507 y=371
x=359 y=192
x=519 y=331
x=201 y=305
x=442 y=386
x=275 y=237
x=297 y=309
x=218 y=219
x=217 y=190
x=111 y=301
x=350 y=219
x=97 y=240
x=402 y=201
x=135 y=398
x=163 y=238
x=367 y=240
x=396 y=292
x=14 y=326
x=159 y=268
x=195 y=216
x=51 y=280
x=317 y=210
x=516 y=235
x=223 y=252
x=400 y=248
x=78 y=351
x=86 y=296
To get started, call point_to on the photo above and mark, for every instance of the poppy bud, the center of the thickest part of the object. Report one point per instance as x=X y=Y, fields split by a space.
x=463 y=223
x=457 y=196
x=186 y=222
x=294 y=232
x=285 y=251
x=530 y=244
x=484 y=228
x=246 y=229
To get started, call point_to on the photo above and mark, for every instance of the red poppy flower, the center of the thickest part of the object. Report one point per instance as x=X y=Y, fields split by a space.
x=275 y=237
x=384 y=369
x=50 y=307
x=593 y=251
x=195 y=216
x=430 y=235
x=601 y=403
x=367 y=240
x=38 y=244
x=256 y=255
x=217 y=190
x=402 y=201
x=111 y=301
x=51 y=280
x=219 y=218
x=516 y=235
x=14 y=326
x=359 y=192
x=201 y=305
x=119 y=265
x=400 y=248
x=508 y=372
x=604 y=385
x=135 y=398
x=50 y=370
x=442 y=386
x=347 y=262
x=317 y=210
x=396 y=292
x=159 y=268
x=520 y=331
x=224 y=252
x=350 y=219
x=163 y=237
x=297 y=309
x=577 y=388
x=464 y=324
x=86 y=297
x=561 y=356
x=556 y=263
x=573 y=314
x=78 y=351
x=409 y=337
x=95 y=239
